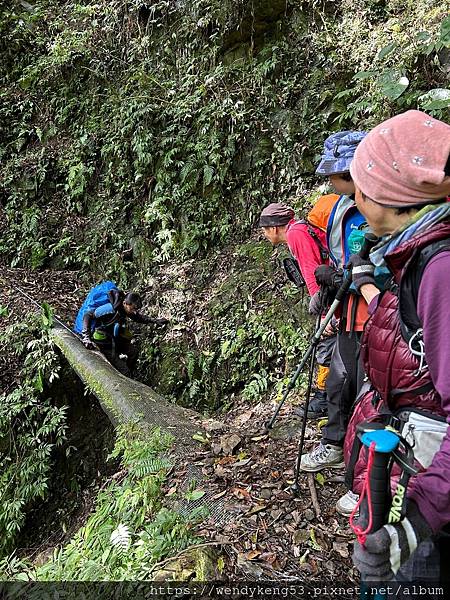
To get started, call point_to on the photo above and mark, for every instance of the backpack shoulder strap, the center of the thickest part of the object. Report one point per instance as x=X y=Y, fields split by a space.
x=410 y=284
x=324 y=254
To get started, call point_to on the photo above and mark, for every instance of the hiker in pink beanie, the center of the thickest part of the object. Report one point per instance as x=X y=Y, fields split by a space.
x=402 y=175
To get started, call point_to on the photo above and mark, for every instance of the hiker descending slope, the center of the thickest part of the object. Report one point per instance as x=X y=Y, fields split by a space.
x=102 y=324
x=402 y=176
x=307 y=243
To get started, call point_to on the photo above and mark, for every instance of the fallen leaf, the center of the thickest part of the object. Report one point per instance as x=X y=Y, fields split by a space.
x=256 y=509
x=200 y=438
x=242 y=463
x=220 y=495
x=303 y=558
x=341 y=548
x=320 y=478
x=240 y=493
x=226 y=460
x=250 y=568
x=195 y=495
x=313 y=542
x=219 y=471
x=269 y=557
x=301 y=536
x=229 y=443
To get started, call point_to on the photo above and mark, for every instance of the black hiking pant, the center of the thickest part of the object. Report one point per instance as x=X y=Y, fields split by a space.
x=343 y=384
x=112 y=349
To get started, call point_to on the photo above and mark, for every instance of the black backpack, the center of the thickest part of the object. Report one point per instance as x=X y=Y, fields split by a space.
x=408 y=292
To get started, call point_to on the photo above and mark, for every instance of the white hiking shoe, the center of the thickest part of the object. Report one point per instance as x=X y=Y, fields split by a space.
x=346 y=504
x=324 y=456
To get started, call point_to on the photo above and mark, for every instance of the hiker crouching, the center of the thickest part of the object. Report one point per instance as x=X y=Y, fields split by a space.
x=110 y=333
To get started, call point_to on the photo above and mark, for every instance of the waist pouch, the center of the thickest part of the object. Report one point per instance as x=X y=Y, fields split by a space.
x=424 y=431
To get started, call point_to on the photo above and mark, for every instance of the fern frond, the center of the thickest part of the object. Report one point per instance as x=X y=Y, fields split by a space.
x=121 y=538
x=149 y=466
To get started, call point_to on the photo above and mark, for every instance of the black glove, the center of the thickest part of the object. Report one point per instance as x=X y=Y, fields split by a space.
x=388 y=548
x=328 y=276
x=362 y=271
x=160 y=322
x=87 y=342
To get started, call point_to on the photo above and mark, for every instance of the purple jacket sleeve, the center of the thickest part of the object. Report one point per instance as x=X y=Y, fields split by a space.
x=432 y=491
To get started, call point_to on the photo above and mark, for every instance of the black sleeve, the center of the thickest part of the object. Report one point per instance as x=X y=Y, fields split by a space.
x=87 y=318
x=140 y=318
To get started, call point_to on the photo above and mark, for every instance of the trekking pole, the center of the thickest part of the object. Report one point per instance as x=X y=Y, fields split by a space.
x=295 y=487
x=376 y=493
x=369 y=241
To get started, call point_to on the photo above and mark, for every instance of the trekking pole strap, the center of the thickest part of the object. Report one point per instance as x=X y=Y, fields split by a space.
x=381 y=443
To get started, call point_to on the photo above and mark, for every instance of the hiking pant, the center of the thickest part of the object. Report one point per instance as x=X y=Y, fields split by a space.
x=112 y=351
x=343 y=384
x=324 y=351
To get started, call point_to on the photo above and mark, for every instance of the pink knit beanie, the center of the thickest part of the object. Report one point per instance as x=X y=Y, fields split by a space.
x=402 y=160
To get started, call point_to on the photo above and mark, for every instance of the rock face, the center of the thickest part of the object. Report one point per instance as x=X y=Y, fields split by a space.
x=125 y=399
x=258 y=18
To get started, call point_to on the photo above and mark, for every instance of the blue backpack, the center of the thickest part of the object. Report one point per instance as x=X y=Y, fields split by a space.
x=97 y=296
x=345 y=230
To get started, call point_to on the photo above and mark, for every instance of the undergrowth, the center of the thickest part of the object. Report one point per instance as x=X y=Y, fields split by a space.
x=31 y=424
x=129 y=531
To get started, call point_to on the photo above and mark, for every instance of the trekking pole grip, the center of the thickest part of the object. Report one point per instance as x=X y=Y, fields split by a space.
x=385 y=442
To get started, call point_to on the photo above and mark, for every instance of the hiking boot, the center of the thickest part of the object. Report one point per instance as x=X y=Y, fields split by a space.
x=324 y=456
x=317 y=408
x=311 y=414
x=346 y=504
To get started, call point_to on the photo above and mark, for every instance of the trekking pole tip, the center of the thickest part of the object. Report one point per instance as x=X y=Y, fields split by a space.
x=295 y=489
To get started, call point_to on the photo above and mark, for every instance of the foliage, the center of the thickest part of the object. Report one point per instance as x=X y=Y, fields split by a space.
x=174 y=123
x=164 y=129
x=31 y=424
x=128 y=531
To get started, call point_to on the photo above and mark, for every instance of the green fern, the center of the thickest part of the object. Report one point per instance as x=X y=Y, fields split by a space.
x=121 y=538
x=150 y=466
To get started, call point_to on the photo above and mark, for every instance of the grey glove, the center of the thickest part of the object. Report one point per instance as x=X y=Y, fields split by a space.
x=315 y=304
x=362 y=271
x=87 y=342
x=388 y=548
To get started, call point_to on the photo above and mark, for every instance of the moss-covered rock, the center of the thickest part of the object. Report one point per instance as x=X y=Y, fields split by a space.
x=196 y=564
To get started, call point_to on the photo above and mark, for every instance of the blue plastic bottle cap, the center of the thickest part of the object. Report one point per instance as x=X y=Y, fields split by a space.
x=386 y=441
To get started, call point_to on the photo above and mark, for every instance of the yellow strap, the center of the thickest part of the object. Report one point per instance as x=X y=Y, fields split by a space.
x=322 y=375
